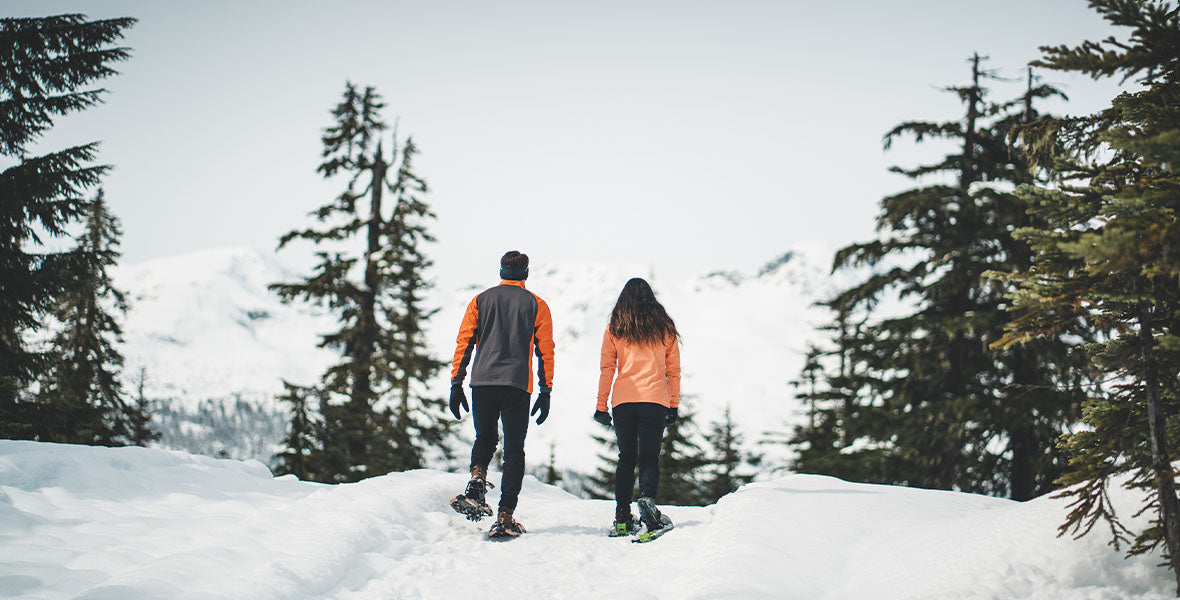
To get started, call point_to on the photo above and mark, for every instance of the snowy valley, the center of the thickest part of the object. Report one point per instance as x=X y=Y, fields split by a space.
x=216 y=343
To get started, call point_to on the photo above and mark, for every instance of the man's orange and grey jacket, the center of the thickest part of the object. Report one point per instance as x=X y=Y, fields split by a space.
x=505 y=326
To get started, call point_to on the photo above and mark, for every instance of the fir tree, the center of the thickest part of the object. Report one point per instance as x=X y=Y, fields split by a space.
x=416 y=423
x=302 y=439
x=141 y=432
x=1107 y=256
x=48 y=63
x=725 y=461
x=681 y=462
x=601 y=483
x=920 y=399
x=552 y=475
x=83 y=382
x=383 y=355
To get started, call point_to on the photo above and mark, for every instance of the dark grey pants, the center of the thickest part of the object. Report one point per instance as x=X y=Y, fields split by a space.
x=491 y=404
x=639 y=428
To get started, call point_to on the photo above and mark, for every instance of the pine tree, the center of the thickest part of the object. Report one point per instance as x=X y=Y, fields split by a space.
x=302 y=439
x=383 y=352
x=725 y=461
x=682 y=461
x=919 y=399
x=1107 y=256
x=601 y=483
x=552 y=475
x=48 y=62
x=416 y=423
x=83 y=382
x=141 y=432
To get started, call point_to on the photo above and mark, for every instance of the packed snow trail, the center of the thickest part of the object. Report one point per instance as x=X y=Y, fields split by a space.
x=136 y=523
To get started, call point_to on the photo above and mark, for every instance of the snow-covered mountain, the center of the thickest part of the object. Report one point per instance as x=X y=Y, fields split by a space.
x=144 y=523
x=209 y=333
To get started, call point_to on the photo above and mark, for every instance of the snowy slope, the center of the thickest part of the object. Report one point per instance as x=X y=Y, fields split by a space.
x=206 y=327
x=137 y=523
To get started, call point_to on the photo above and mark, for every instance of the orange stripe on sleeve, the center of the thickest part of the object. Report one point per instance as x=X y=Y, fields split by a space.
x=543 y=334
x=465 y=342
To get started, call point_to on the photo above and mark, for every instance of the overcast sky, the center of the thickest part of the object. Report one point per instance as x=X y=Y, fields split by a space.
x=683 y=136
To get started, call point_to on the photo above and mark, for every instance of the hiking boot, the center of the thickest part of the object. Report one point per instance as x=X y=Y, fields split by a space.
x=625 y=524
x=651 y=516
x=505 y=526
x=472 y=503
x=478 y=486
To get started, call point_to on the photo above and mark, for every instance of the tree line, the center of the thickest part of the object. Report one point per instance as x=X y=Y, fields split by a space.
x=1038 y=347
x=60 y=364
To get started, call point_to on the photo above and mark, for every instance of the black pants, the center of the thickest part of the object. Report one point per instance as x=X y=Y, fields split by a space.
x=639 y=428
x=492 y=403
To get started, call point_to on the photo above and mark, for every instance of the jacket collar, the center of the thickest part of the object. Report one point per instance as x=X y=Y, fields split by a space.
x=517 y=282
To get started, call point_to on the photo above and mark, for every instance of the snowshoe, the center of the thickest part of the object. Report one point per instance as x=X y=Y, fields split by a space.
x=625 y=527
x=655 y=523
x=625 y=524
x=471 y=502
x=505 y=528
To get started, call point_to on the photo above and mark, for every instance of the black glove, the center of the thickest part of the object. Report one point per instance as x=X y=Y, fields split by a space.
x=670 y=417
x=542 y=404
x=458 y=398
x=602 y=417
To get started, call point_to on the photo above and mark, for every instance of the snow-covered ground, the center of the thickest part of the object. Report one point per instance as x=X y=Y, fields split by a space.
x=206 y=327
x=136 y=523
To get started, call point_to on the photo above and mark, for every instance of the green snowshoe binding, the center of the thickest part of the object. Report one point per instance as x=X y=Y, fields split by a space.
x=624 y=525
x=655 y=523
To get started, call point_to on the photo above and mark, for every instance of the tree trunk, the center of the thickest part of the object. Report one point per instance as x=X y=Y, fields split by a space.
x=967 y=169
x=1024 y=454
x=362 y=354
x=1161 y=463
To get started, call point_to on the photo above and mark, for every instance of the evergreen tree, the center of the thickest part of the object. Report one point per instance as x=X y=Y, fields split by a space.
x=141 y=432
x=417 y=426
x=919 y=399
x=682 y=461
x=302 y=439
x=601 y=483
x=552 y=475
x=83 y=383
x=383 y=355
x=1107 y=256
x=725 y=461
x=48 y=61
x=831 y=388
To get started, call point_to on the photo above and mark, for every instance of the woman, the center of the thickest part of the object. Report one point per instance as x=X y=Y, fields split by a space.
x=641 y=344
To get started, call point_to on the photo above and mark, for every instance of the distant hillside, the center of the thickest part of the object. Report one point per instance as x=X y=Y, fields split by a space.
x=216 y=343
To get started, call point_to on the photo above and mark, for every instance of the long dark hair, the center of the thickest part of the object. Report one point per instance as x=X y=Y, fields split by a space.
x=639 y=318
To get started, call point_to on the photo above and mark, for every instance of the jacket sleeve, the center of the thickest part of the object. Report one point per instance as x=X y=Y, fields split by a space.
x=465 y=343
x=607 y=364
x=543 y=334
x=672 y=368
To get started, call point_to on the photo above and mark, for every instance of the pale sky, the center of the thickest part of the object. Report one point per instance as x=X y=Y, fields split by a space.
x=685 y=136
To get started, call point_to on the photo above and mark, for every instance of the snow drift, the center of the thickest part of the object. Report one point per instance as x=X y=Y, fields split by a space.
x=137 y=523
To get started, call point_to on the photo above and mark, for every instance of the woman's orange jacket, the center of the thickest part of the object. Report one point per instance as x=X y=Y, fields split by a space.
x=647 y=372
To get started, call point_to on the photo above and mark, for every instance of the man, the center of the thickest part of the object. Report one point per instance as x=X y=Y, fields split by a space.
x=504 y=325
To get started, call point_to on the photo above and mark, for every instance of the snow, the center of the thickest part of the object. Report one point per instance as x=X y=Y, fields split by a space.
x=137 y=523
x=207 y=328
